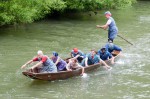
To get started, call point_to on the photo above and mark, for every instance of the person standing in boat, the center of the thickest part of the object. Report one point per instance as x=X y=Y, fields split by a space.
x=111 y=25
x=105 y=55
x=44 y=64
x=73 y=65
x=77 y=54
x=92 y=58
x=60 y=63
x=112 y=48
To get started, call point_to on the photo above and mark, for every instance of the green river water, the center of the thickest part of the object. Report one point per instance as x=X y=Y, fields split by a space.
x=129 y=78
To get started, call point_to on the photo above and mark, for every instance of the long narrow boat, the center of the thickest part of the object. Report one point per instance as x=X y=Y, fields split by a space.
x=62 y=74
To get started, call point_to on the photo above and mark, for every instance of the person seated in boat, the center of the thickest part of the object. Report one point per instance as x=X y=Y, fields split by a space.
x=73 y=65
x=112 y=48
x=105 y=55
x=77 y=54
x=45 y=64
x=92 y=58
x=60 y=63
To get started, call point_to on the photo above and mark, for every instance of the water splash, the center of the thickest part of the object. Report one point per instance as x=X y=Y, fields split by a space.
x=84 y=75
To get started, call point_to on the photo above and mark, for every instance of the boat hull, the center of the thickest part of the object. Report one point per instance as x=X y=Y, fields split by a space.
x=59 y=75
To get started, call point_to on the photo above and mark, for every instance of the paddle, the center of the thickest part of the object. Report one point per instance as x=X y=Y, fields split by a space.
x=124 y=39
x=121 y=37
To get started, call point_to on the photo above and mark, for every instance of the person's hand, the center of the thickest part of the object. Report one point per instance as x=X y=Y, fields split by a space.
x=69 y=70
x=112 y=62
x=32 y=67
x=81 y=74
x=98 y=26
x=109 y=68
x=82 y=56
x=23 y=66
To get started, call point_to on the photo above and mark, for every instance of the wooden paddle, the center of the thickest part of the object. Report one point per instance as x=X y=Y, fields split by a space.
x=124 y=39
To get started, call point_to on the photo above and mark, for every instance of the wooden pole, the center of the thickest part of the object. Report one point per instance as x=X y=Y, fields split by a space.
x=124 y=39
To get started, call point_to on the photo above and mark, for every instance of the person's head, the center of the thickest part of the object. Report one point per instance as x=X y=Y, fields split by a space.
x=75 y=50
x=39 y=53
x=93 y=52
x=107 y=14
x=103 y=49
x=55 y=54
x=74 y=60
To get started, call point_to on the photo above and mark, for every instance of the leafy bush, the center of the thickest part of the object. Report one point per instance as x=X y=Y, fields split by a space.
x=26 y=11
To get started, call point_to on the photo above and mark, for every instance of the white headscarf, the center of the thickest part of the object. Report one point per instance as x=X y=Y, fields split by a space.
x=40 y=52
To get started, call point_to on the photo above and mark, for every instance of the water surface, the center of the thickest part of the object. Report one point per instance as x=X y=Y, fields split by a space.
x=129 y=78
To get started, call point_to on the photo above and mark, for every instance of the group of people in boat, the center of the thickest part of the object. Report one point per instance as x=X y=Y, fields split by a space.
x=78 y=58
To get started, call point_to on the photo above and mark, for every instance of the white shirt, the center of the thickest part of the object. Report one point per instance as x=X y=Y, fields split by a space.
x=109 y=22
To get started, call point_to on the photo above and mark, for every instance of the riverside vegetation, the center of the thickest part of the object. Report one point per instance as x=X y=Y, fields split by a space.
x=27 y=11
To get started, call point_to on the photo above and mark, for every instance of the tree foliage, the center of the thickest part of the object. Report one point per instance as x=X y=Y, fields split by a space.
x=26 y=11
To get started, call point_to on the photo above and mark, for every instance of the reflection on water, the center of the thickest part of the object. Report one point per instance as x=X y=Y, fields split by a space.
x=145 y=19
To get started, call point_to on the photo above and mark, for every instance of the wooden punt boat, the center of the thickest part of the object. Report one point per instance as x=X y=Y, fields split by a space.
x=62 y=74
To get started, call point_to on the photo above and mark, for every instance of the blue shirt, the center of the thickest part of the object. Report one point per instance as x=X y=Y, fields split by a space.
x=94 y=60
x=79 y=53
x=80 y=58
x=111 y=49
x=104 y=56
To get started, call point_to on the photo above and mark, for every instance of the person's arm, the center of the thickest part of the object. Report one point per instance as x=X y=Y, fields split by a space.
x=39 y=64
x=104 y=63
x=71 y=54
x=112 y=60
x=58 y=60
x=82 y=69
x=81 y=54
x=104 y=26
x=86 y=61
x=29 y=62
x=68 y=67
x=76 y=56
